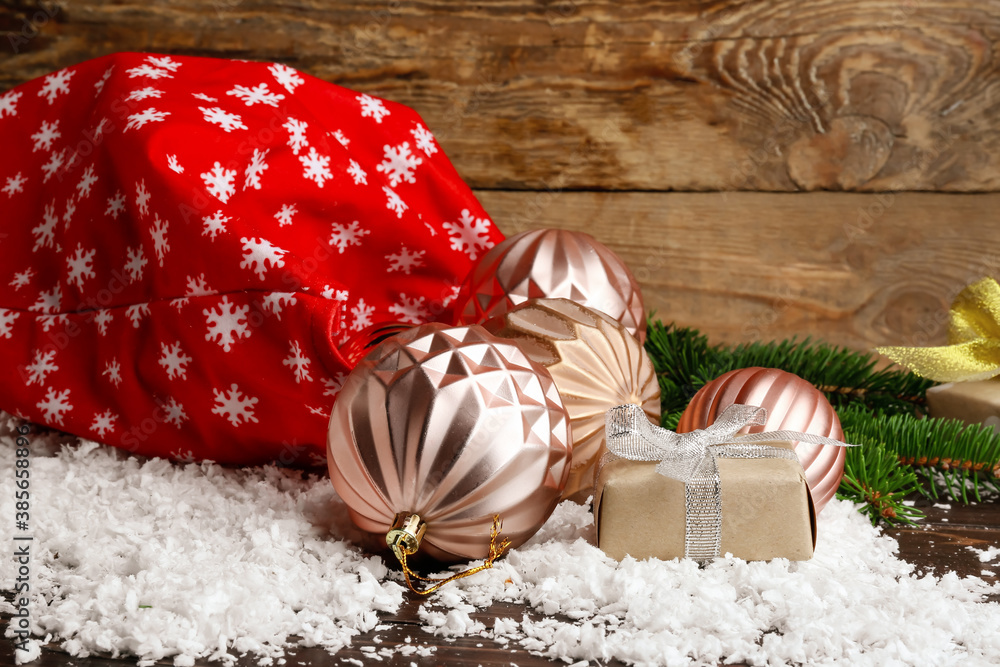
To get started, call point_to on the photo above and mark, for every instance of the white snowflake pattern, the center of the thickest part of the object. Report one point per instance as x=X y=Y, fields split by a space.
x=70 y=210
x=22 y=278
x=41 y=366
x=235 y=406
x=214 y=224
x=99 y=85
x=220 y=182
x=114 y=372
x=332 y=293
x=470 y=234
x=405 y=260
x=174 y=361
x=145 y=94
x=164 y=62
x=160 y=243
x=48 y=301
x=393 y=202
x=136 y=263
x=257 y=95
x=257 y=252
x=315 y=167
x=286 y=76
x=55 y=405
x=87 y=181
x=142 y=198
x=174 y=165
x=410 y=309
x=136 y=313
x=47 y=133
x=173 y=412
x=362 y=314
x=102 y=319
x=116 y=205
x=54 y=164
x=298 y=363
x=452 y=295
x=398 y=164
x=341 y=139
x=98 y=130
x=56 y=84
x=104 y=423
x=203 y=97
x=344 y=236
x=8 y=103
x=284 y=216
x=424 y=140
x=144 y=117
x=357 y=173
x=318 y=411
x=148 y=71
x=45 y=231
x=52 y=321
x=275 y=302
x=372 y=107
x=255 y=169
x=7 y=318
x=14 y=184
x=227 y=121
x=227 y=325
x=198 y=286
x=296 y=134
x=183 y=455
x=79 y=264
x=332 y=386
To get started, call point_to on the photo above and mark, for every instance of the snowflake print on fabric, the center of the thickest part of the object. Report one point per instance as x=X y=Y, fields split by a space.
x=373 y=108
x=14 y=184
x=144 y=117
x=341 y=139
x=45 y=231
x=164 y=62
x=332 y=386
x=87 y=181
x=362 y=314
x=55 y=405
x=21 y=279
x=173 y=412
x=144 y=94
x=159 y=234
x=284 y=215
x=204 y=98
x=424 y=140
x=315 y=167
x=296 y=134
x=452 y=295
x=114 y=372
x=135 y=263
x=347 y=235
x=8 y=103
x=275 y=302
x=149 y=72
x=318 y=411
x=102 y=319
x=220 y=182
x=174 y=361
x=7 y=318
x=393 y=202
x=52 y=321
x=227 y=121
x=405 y=260
x=258 y=252
x=254 y=170
x=55 y=163
x=70 y=210
x=79 y=265
x=56 y=84
x=298 y=363
x=286 y=76
x=214 y=224
x=256 y=95
x=47 y=133
x=410 y=309
x=42 y=364
x=142 y=197
x=228 y=324
x=470 y=235
x=174 y=165
x=136 y=313
x=48 y=301
x=104 y=423
x=198 y=286
x=399 y=164
x=99 y=85
x=234 y=405
x=357 y=173
x=115 y=205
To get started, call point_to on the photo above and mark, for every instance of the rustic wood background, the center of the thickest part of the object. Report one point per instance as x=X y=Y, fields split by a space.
x=687 y=124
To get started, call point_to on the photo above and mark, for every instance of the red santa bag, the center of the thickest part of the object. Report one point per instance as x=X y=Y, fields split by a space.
x=188 y=242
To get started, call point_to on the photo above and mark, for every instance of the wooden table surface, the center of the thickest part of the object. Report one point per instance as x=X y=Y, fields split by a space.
x=937 y=546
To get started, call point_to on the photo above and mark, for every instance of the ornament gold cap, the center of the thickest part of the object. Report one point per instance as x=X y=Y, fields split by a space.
x=405 y=533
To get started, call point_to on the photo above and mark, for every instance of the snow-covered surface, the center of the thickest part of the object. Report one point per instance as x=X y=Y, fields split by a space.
x=153 y=559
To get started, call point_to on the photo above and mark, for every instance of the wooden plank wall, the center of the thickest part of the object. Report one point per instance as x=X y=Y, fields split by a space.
x=767 y=168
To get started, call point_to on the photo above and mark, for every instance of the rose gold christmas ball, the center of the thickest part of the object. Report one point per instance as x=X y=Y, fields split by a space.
x=550 y=263
x=596 y=365
x=791 y=403
x=455 y=425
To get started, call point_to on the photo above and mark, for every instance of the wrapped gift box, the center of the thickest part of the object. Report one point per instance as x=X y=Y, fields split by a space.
x=972 y=402
x=767 y=511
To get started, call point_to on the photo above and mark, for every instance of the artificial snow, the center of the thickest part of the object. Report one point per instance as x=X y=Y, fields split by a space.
x=185 y=562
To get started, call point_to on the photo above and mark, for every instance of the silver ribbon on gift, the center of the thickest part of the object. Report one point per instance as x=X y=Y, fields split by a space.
x=691 y=458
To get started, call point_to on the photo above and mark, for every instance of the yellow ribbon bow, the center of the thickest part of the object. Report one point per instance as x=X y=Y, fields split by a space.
x=974 y=334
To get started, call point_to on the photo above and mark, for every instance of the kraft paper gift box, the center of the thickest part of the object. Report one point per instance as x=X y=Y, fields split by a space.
x=767 y=511
x=972 y=402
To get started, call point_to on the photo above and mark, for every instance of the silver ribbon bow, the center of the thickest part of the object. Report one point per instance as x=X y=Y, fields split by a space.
x=691 y=458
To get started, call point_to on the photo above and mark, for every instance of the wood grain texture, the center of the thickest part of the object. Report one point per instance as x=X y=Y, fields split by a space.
x=683 y=95
x=852 y=269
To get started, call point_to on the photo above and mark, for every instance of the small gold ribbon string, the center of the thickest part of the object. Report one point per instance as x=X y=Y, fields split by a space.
x=973 y=334
x=404 y=539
